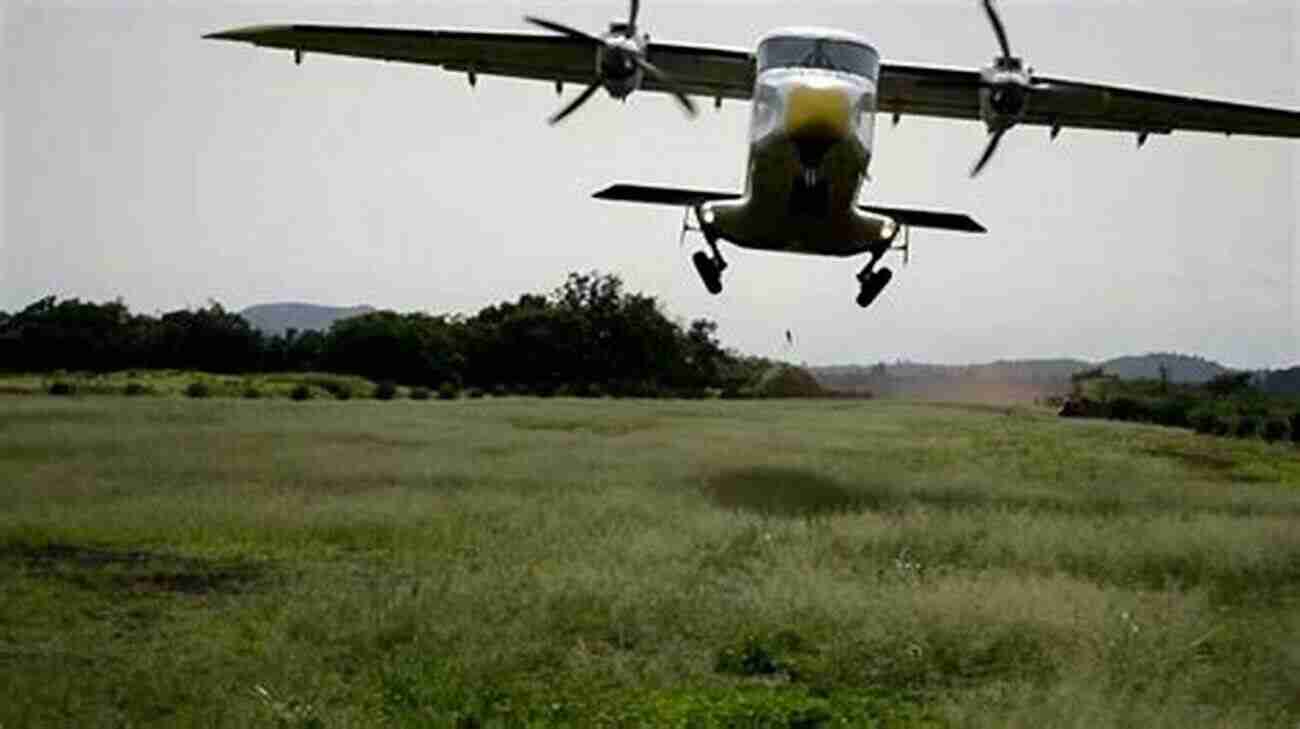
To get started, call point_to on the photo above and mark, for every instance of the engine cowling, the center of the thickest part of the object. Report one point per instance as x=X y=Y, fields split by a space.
x=1004 y=94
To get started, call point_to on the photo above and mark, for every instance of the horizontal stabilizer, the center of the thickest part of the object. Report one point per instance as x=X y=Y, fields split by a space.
x=927 y=219
x=674 y=196
x=680 y=197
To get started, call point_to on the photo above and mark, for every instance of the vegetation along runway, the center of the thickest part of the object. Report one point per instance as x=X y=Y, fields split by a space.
x=529 y=562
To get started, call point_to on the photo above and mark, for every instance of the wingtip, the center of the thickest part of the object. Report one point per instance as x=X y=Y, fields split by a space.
x=248 y=33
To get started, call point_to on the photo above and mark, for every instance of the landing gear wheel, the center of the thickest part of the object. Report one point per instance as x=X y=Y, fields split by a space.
x=872 y=285
x=710 y=272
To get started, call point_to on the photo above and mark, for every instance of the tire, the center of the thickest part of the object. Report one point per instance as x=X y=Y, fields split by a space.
x=873 y=286
x=709 y=273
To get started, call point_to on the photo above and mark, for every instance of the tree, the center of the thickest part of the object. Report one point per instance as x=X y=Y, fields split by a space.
x=1229 y=383
x=408 y=348
x=209 y=338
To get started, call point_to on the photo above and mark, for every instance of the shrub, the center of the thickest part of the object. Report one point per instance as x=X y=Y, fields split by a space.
x=1228 y=383
x=387 y=390
x=198 y=390
x=1247 y=427
x=341 y=392
x=300 y=393
x=500 y=391
x=474 y=393
x=1276 y=429
x=760 y=655
x=1205 y=422
x=1295 y=428
x=252 y=393
x=420 y=393
x=1127 y=409
x=448 y=391
x=1172 y=413
x=133 y=389
x=60 y=387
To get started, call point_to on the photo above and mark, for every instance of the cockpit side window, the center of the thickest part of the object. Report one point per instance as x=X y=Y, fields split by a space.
x=834 y=55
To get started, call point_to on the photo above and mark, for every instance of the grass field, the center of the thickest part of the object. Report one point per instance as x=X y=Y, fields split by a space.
x=521 y=562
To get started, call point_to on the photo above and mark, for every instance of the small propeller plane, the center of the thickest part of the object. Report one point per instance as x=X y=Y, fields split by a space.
x=815 y=97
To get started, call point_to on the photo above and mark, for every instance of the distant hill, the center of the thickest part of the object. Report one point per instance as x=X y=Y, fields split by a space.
x=1005 y=380
x=1182 y=368
x=279 y=318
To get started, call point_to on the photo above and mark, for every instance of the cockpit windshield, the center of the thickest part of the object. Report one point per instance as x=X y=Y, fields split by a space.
x=827 y=53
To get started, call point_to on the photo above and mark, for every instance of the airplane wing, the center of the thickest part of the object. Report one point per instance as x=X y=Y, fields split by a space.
x=678 y=197
x=905 y=89
x=704 y=71
x=1062 y=103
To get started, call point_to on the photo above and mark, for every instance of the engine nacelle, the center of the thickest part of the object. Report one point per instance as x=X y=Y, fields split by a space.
x=616 y=64
x=1004 y=94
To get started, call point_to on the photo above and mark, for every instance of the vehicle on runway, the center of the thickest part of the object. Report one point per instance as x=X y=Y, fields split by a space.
x=815 y=97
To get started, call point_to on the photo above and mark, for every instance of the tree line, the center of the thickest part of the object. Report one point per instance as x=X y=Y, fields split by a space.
x=588 y=333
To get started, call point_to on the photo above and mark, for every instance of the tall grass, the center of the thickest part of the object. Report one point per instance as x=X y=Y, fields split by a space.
x=636 y=563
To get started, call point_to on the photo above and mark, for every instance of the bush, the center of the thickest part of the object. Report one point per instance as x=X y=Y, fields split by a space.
x=500 y=391
x=340 y=390
x=62 y=388
x=387 y=390
x=448 y=391
x=1247 y=427
x=1205 y=423
x=1172 y=413
x=1229 y=383
x=1276 y=429
x=198 y=390
x=474 y=393
x=1295 y=428
x=420 y=393
x=1127 y=409
x=252 y=393
x=300 y=393
x=134 y=389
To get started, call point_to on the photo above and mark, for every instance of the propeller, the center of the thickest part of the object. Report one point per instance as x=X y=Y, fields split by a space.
x=998 y=28
x=995 y=138
x=1004 y=90
x=620 y=62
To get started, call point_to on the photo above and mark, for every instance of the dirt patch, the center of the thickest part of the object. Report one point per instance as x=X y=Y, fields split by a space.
x=133 y=571
x=1209 y=464
x=370 y=440
x=790 y=492
x=606 y=427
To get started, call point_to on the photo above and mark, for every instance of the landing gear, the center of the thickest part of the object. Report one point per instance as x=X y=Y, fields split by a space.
x=709 y=271
x=872 y=281
x=711 y=267
x=872 y=285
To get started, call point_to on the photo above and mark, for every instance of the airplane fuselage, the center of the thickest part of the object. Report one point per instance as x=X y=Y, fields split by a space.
x=811 y=134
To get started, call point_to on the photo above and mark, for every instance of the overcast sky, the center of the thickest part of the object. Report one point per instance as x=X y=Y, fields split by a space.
x=143 y=162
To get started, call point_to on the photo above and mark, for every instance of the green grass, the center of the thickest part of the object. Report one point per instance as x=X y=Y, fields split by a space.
x=535 y=563
x=173 y=383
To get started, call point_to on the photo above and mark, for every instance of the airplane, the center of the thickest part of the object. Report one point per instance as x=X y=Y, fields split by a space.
x=815 y=96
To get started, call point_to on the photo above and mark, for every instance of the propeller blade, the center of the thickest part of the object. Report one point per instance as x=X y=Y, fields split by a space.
x=998 y=28
x=631 y=17
x=563 y=29
x=994 y=139
x=687 y=105
x=573 y=105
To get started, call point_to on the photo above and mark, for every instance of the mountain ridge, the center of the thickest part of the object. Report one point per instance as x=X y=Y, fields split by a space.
x=279 y=317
